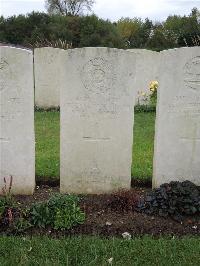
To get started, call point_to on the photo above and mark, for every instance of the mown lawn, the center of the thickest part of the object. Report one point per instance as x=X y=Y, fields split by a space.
x=143 y=145
x=47 y=128
x=95 y=251
x=47 y=145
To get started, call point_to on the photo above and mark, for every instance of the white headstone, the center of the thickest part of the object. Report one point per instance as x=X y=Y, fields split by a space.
x=17 y=145
x=47 y=68
x=146 y=71
x=177 y=143
x=97 y=112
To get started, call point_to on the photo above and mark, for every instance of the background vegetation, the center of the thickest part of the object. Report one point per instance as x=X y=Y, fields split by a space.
x=80 y=31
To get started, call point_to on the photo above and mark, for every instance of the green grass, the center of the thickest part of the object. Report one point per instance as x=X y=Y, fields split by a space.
x=95 y=251
x=143 y=144
x=47 y=128
x=47 y=145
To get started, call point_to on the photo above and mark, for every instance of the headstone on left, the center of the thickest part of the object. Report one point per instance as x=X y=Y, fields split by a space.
x=17 y=144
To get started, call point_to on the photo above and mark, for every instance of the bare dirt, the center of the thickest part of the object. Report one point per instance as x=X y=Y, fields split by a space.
x=112 y=215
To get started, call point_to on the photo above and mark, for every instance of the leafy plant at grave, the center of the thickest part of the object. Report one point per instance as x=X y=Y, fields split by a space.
x=14 y=221
x=21 y=222
x=175 y=199
x=7 y=203
x=60 y=212
x=68 y=212
x=40 y=214
x=12 y=217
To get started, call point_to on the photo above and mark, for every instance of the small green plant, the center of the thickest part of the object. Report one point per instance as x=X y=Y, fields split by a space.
x=40 y=214
x=60 y=211
x=175 y=199
x=2 y=207
x=21 y=223
x=68 y=217
x=6 y=192
x=7 y=203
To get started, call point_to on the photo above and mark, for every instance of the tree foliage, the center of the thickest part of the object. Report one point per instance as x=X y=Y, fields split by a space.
x=80 y=31
x=68 y=7
x=134 y=32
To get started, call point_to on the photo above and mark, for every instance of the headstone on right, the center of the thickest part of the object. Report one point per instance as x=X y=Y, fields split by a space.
x=97 y=112
x=177 y=141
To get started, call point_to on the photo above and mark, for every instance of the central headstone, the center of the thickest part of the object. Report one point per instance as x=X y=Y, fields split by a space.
x=97 y=112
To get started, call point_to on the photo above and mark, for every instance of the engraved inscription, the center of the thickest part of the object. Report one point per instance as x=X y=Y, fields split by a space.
x=88 y=109
x=10 y=116
x=3 y=64
x=191 y=134
x=95 y=139
x=4 y=140
x=4 y=71
x=188 y=105
x=8 y=113
x=191 y=130
x=192 y=74
x=98 y=76
x=50 y=58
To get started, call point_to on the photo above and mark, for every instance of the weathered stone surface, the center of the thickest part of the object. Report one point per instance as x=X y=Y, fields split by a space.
x=146 y=71
x=47 y=68
x=97 y=103
x=177 y=144
x=17 y=145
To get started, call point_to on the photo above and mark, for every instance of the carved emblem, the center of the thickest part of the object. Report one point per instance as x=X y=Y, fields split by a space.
x=97 y=76
x=192 y=73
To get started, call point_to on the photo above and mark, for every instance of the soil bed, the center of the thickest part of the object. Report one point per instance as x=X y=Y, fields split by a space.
x=107 y=215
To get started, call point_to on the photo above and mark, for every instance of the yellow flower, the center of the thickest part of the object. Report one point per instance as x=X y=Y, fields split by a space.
x=153 y=86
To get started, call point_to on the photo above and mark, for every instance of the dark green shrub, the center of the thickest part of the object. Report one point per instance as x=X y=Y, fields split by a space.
x=145 y=108
x=50 y=109
x=60 y=212
x=2 y=207
x=40 y=214
x=175 y=199
x=21 y=222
